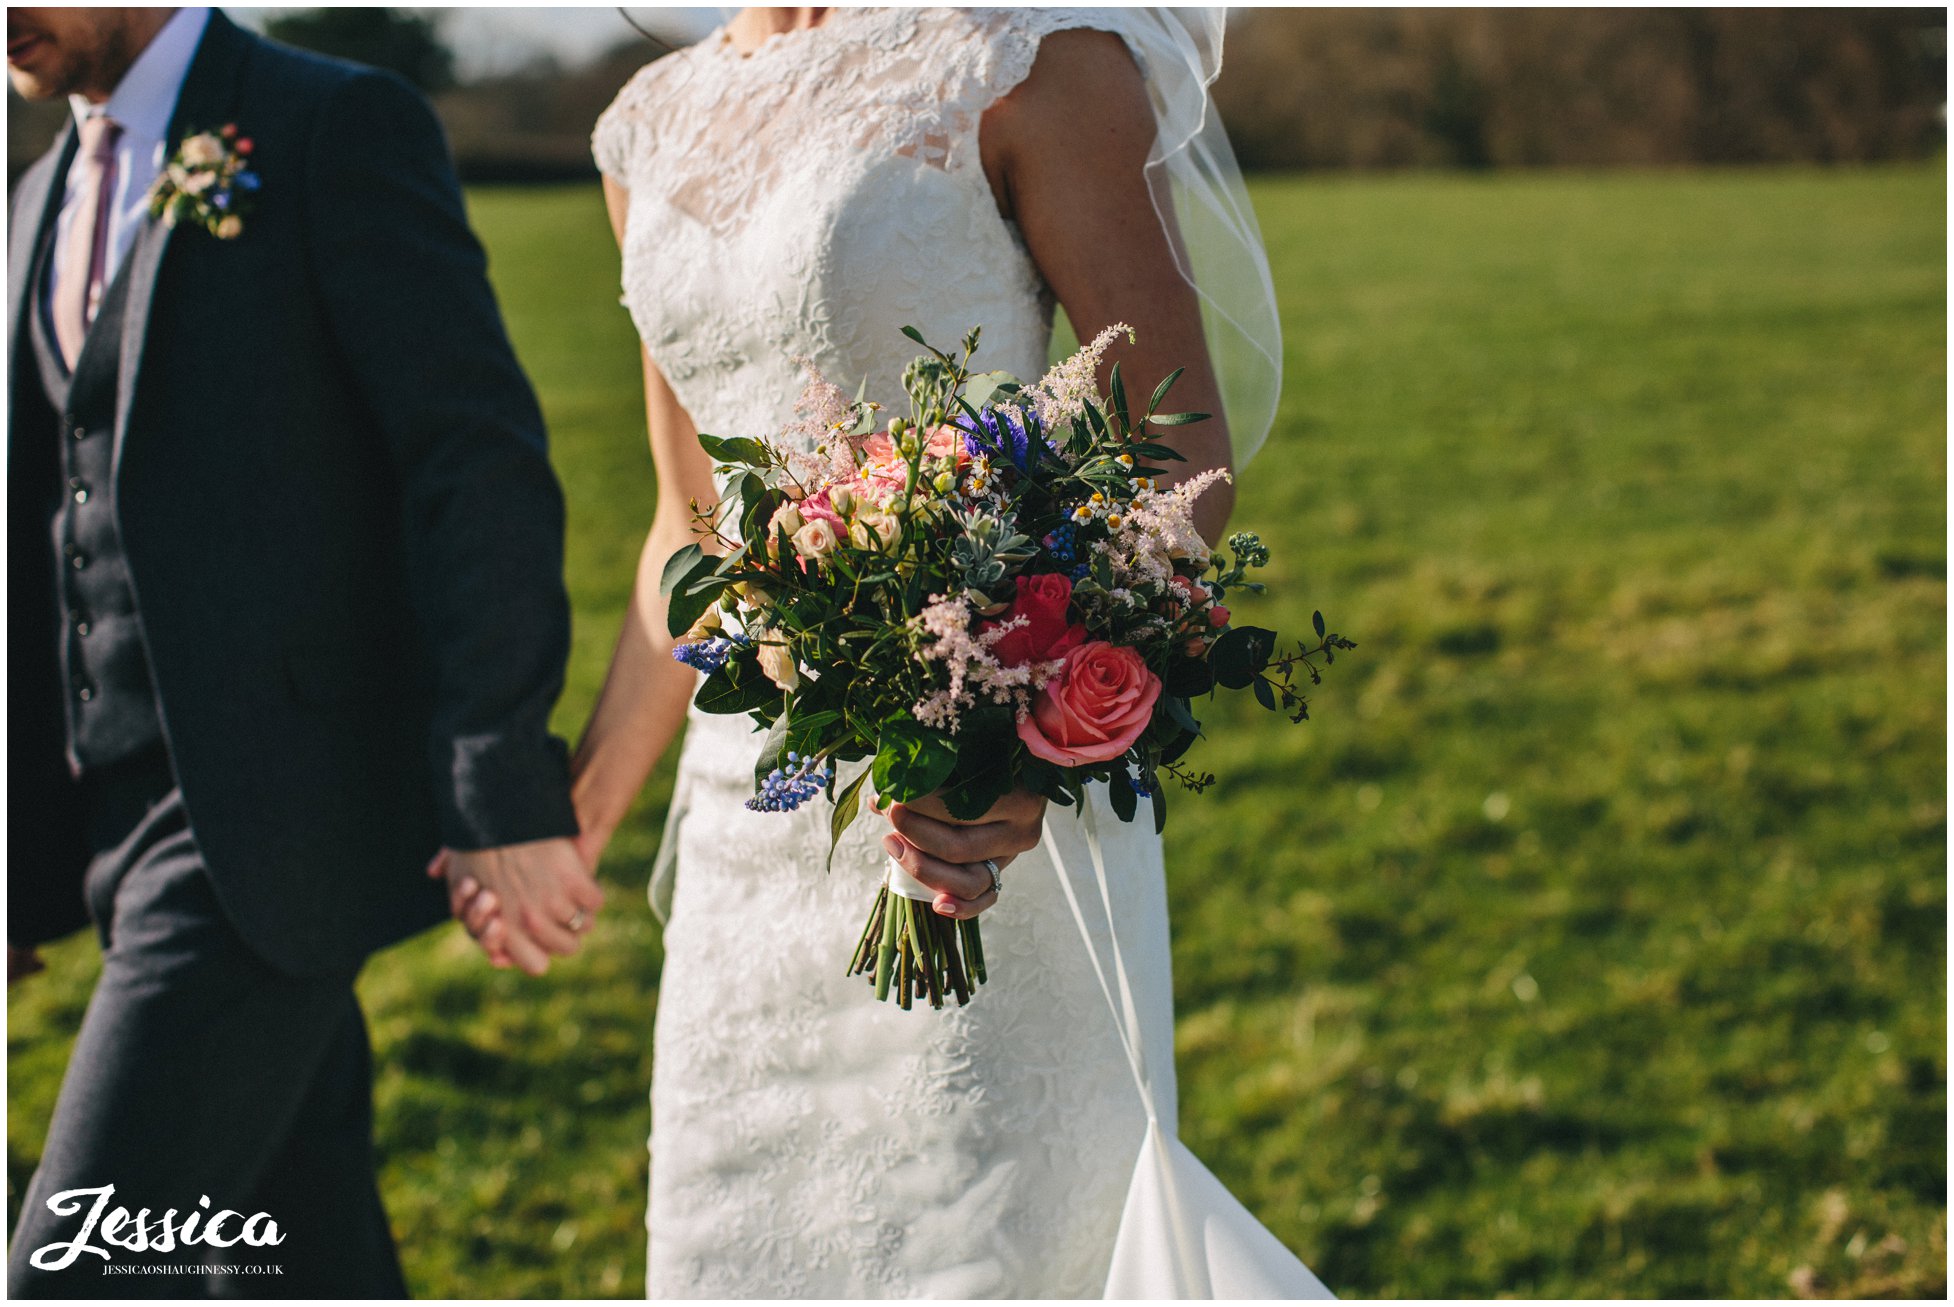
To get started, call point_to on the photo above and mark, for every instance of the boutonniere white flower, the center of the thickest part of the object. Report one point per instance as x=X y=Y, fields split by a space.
x=209 y=182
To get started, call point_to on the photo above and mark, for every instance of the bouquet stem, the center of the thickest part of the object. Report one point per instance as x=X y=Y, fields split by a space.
x=908 y=946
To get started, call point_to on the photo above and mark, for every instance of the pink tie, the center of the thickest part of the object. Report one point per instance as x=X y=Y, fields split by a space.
x=84 y=261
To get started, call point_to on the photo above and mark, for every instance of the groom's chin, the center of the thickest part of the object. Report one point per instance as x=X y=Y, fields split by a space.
x=38 y=82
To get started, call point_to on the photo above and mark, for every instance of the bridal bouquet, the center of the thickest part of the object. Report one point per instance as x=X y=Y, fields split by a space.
x=995 y=591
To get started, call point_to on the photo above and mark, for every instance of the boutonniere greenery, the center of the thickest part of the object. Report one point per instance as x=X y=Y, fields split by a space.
x=208 y=182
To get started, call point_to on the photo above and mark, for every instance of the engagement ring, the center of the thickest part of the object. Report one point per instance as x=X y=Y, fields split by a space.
x=997 y=881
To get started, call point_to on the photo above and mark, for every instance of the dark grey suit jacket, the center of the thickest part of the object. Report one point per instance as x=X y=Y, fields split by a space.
x=337 y=507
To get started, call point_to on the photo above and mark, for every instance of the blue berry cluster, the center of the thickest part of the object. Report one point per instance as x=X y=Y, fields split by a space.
x=786 y=789
x=1063 y=544
x=707 y=656
x=1138 y=784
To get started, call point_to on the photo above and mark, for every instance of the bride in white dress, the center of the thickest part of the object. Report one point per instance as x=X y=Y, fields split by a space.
x=800 y=185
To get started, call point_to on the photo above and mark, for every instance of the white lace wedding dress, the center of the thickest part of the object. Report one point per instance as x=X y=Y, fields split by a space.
x=807 y=201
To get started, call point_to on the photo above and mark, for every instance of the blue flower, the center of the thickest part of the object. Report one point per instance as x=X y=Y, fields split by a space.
x=707 y=656
x=245 y=181
x=221 y=200
x=787 y=788
x=998 y=435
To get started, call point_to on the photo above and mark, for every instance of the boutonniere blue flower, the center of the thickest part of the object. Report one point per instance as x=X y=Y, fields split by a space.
x=209 y=182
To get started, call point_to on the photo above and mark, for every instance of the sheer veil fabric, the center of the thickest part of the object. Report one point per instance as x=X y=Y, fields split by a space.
x=805 y=200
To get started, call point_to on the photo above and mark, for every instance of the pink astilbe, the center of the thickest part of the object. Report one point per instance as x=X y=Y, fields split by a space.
x=1063 y=393
x=821 y=415
x=820 y=409
x=1157 y=530
x=971 y=661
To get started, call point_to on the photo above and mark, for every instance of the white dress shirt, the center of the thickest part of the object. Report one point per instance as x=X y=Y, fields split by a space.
x=143 y=102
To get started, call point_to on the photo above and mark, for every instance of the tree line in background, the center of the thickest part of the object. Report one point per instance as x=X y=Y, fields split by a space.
x=1485 y=88
x=1339 y=88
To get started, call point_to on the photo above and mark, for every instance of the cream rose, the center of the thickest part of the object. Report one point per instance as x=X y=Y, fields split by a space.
x=777 y=661
x=785 y=518
x=887 y=531
x=816 y=540
x=203 y=151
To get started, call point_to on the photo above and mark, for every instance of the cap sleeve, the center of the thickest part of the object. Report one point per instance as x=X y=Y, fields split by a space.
x=1011 y=38
x=619 y=141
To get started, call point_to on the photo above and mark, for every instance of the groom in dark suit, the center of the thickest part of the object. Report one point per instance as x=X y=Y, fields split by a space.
x=286 y=617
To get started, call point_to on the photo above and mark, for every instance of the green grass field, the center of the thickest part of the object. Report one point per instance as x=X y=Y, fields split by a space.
x=1591 y=939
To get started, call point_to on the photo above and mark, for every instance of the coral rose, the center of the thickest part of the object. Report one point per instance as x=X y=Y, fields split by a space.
x=1094 y=709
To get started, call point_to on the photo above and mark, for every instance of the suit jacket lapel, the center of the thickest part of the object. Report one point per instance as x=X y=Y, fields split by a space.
x=208 y=100
x=35 y=206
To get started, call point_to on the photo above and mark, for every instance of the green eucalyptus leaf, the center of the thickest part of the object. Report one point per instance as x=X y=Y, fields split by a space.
x=1120 y=789
x=986 y=747
x=1160 y=391
x=912 y=760
x=1178 y=711
x=740 y=686
x=847 y=804
x=691 y=592
x=989 y=388
x=677 y=566
x=772 y=750
x=1240 y=653
x=734 y=449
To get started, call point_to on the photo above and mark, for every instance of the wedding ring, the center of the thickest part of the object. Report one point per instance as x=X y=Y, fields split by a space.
x=578 y=920
x=997 y=881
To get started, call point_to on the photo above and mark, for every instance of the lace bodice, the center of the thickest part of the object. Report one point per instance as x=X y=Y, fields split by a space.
x=812 y=197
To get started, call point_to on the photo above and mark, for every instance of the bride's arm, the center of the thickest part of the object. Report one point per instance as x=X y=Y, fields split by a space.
x=1066 y=153
x=643 y=702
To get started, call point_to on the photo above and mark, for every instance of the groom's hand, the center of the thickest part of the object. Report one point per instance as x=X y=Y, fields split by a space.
x=524 y=902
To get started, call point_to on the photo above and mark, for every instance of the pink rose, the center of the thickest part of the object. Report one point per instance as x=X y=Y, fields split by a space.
x=1094 y=709
x=883 y=461
x=1047 y=632
x=816 y=508
x=947 y=442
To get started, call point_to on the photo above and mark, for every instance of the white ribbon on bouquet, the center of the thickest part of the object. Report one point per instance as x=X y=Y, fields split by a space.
x=1182 y=1234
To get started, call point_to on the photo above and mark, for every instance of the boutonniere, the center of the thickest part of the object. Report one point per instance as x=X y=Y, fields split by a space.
x=209 y=182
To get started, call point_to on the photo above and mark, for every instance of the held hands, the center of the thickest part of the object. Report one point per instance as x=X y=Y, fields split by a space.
x=523 y=903
x=948 y=855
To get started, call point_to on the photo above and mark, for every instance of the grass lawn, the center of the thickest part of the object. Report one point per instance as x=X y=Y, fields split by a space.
x=1590 y=942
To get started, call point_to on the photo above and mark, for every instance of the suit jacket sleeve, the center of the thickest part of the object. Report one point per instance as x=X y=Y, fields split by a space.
x=405 y=287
